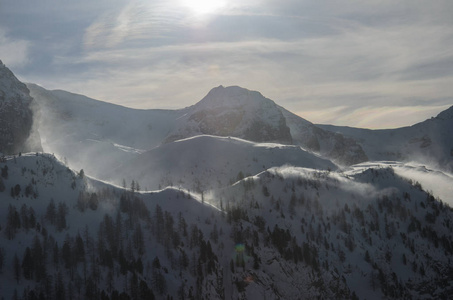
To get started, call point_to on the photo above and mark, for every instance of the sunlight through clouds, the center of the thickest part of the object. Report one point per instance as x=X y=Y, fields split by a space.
x=317 y=59
x=204 y=6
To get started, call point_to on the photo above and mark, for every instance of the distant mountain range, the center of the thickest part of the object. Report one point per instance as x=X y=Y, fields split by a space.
x=84 y=129
x=429 y=142
x=231 y=198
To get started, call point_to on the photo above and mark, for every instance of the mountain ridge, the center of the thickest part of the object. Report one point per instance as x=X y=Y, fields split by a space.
x=230 y=111
x=234 y=111
x=429 y=141
x=283 y=222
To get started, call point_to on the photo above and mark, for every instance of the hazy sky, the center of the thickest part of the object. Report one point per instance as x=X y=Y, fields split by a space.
x=377 y=64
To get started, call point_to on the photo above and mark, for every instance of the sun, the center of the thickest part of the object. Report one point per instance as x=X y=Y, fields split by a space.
x=204 y=6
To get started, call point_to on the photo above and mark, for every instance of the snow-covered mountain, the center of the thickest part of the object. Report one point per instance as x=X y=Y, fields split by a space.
x=429 y=142
x=238 y=112
x=16 y=117
x=98 y=136
x=95 y=135
x=234 y=111
x=335 y=146
x=202 y=163
x=286 y=233
x=230 y=219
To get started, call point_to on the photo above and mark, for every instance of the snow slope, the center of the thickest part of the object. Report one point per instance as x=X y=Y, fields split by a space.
x=335 y=146
x=244 y=220
x=234 y=111
x=437 y=182
x=286 y=233
x=429 y=142
x=98 y=136
x=205 y=162
x=95 y=135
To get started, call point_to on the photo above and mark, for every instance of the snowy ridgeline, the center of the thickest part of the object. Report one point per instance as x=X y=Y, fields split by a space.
x=285 y=233
x=99 y=136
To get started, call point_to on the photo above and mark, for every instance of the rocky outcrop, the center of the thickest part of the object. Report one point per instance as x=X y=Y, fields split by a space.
x=235 y=111
x=16 y=116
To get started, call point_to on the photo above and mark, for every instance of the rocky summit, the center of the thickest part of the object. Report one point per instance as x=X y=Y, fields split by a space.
x=16 y=116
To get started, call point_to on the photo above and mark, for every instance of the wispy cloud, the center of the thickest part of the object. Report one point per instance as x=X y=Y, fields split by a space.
x=13 y=52
x=438 y=183
x=319 y=59
x=375 y=117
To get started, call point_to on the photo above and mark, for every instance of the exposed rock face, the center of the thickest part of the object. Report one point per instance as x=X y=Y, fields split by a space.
x=16 y=116
x=238 y=112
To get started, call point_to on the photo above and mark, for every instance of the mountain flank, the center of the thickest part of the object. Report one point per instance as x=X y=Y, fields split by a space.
x=16 y=116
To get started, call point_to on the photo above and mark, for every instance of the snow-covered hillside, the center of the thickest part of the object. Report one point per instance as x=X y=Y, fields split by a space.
x=202 y=163
x=98 y=136
x=286 y=233
x=238 y=112
x=429 y=142
x=217 y=216
x=335 y=146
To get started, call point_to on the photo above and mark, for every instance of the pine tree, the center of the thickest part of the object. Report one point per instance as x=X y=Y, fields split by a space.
x=51 y=212
x=79 y=249
x=133 y=186
x=5 y=172
x=59 y=287
x=28 y=264
x=66 y=254
x=11 y=223
x=61 y=216
x=2 y=258
x=138 y=239
x=16 y=267
x=38 y=259
x=93 y=202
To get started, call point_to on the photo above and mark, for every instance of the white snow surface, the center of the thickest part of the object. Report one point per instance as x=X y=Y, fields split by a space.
x=207 y=162
x=438 y=183
x=429 y=142
x=323 y=201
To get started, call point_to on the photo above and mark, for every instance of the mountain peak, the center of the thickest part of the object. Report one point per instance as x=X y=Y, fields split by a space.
x=446 y=114
x=16 y=117
x=238 y=112
x=232 y=96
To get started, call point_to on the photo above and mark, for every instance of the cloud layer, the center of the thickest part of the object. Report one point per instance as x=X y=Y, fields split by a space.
x=376 y=64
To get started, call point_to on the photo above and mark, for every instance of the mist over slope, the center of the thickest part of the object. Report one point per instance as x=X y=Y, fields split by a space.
x=335 y=146
x=98 y=136
x=202 y=163
x=238 y=112
x=283 y=233
x=95 y=135
x=231 y=219
x=429 y=142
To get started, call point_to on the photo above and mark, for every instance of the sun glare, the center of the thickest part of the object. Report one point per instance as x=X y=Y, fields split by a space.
x=204 y=6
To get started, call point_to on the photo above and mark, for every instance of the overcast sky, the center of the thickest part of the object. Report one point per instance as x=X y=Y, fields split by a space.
x=376 y=64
